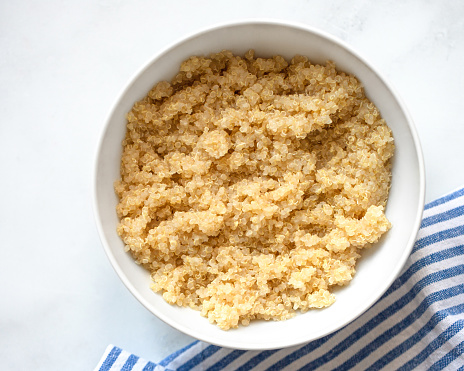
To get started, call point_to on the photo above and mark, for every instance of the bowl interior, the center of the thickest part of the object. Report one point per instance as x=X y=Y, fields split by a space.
x=379 y=265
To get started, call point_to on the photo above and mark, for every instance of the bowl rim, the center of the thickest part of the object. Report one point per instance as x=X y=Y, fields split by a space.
x=236 y=23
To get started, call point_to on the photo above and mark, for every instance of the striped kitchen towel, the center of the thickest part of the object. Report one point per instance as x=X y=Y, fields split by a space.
x=417 y=324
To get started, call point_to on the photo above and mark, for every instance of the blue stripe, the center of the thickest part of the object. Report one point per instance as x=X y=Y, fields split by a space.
x=252 y=362
x=434 y=345
x=310 y=347
x=226 y=360
x=386 y=313
x=200 y=357
x=422 y=263
x=150 y=366
x=400 y=326
x=456 y=352
x=438 y=237
x=418 y=336
x=176 y=354
x=111 y=358
x=131 y=361
x=445 y=216
x=445 y=199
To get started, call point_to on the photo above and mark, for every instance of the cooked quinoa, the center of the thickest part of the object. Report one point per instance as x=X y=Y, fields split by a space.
x=249 y=185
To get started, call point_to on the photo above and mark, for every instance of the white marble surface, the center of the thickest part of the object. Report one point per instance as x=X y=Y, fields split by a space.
x=62 y=65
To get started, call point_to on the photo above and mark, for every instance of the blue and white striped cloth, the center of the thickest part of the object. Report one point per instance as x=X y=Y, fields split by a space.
x=418 y=322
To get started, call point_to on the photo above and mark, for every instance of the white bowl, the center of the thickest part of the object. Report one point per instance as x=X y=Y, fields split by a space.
x=379 y=265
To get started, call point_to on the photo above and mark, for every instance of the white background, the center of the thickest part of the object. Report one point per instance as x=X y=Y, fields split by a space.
x=62 y=65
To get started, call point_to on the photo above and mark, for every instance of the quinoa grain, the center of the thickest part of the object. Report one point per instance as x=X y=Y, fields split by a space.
x=249 y=185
